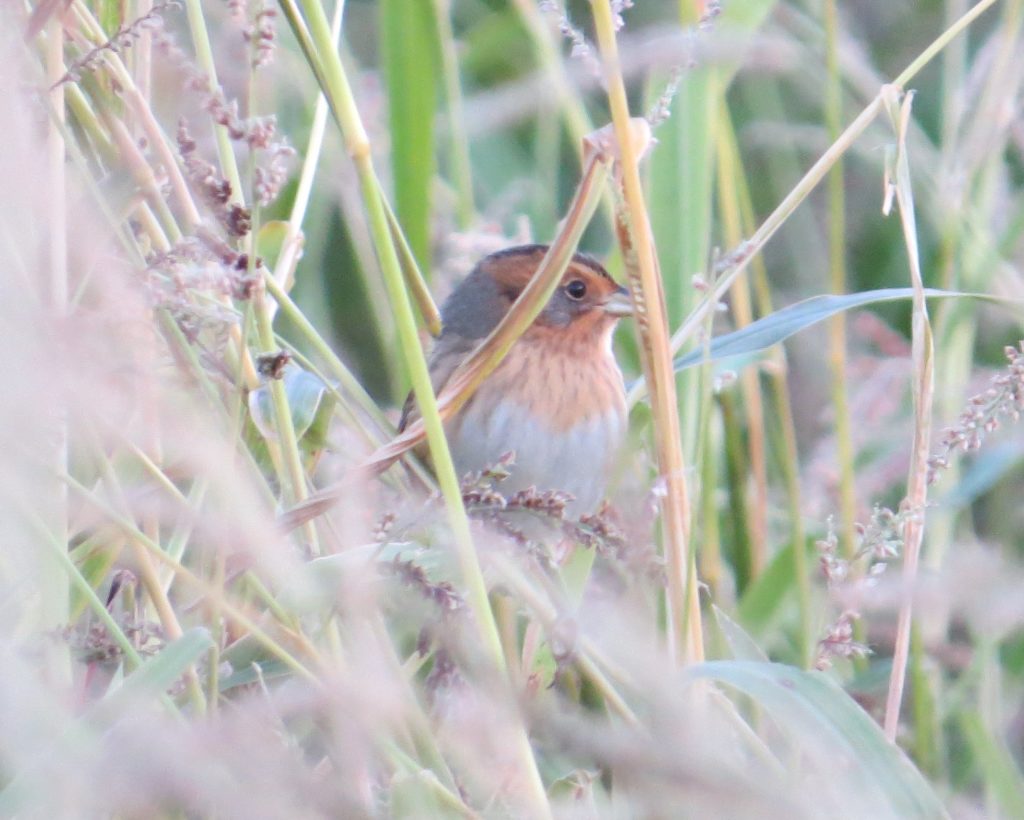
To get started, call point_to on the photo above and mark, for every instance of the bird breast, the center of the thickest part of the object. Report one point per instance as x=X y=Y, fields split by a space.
x=564 y=416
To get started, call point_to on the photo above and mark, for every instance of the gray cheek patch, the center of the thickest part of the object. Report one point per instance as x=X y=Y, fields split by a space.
x=560 y=310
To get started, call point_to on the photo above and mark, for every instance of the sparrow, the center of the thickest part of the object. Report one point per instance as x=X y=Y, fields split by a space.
x=557 y=399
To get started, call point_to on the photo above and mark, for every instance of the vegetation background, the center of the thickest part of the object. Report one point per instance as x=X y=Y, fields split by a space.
x=217 y=298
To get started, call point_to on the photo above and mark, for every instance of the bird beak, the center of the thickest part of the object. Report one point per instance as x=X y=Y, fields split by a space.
x=618 y=304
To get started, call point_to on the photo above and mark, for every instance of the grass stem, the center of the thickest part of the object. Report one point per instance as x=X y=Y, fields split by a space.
x=652 y=327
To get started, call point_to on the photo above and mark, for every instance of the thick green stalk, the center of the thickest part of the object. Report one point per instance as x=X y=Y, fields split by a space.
x=837 y=324
x=706 y=538
x=339 y=93
x=291 y=246
x=837 y=281
x=681 y=211
x=410 y=64
x=710 y=537
x=284 y=427
x=928 y=745
x=736 y=476
x=458 y=142
x=346 y=380
x=365 y=417
x=415 y=281
x=730 y=183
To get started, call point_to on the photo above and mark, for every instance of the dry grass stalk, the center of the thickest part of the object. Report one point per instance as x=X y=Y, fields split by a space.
x=685 y=633
x=922 y=355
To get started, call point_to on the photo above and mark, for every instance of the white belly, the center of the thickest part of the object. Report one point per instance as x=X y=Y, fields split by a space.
x=577 y=461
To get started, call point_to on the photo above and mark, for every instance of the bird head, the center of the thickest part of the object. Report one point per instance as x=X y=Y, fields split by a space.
x=586 y=302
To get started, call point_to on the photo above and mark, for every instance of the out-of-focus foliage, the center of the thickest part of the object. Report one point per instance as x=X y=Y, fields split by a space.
x=168 y=650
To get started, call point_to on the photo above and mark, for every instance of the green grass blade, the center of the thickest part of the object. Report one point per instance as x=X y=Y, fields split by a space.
x=158 y=673
x=408 y=33
x=741 y=645
x=811 y=708
x=759 y=606
x=680 y=190
x=1000 y=772
x=782 y=324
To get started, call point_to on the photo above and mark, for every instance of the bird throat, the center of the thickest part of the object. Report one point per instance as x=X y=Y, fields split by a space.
x=560 y=407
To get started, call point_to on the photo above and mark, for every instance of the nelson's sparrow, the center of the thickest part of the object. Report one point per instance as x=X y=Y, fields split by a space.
x=557 y=398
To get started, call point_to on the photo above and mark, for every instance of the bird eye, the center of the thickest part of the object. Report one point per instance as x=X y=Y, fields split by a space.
x=576 y=289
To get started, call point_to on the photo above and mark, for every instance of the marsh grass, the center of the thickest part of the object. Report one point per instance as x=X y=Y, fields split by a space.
x=224 y=228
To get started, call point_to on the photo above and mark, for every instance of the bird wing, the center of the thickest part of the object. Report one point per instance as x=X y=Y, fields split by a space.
x=451 y=350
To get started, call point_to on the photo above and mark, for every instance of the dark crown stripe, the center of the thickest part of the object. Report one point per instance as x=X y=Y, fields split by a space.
x=528 y=250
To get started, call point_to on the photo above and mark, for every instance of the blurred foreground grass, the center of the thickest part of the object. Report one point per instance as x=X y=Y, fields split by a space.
x=206 y=321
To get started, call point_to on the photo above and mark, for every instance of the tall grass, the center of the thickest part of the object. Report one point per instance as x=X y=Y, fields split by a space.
x=225 y=230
